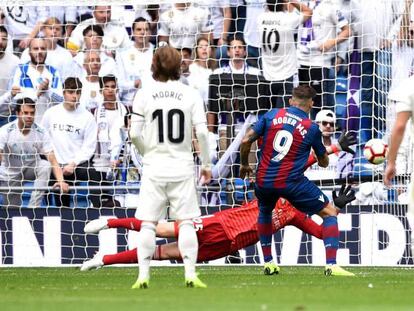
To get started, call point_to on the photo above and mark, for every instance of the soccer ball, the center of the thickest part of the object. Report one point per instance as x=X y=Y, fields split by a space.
x=375 y=151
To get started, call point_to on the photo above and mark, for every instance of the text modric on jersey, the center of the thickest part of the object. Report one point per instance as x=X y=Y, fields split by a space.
x=167 y=94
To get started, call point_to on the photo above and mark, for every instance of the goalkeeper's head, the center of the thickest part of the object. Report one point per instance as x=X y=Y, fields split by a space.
x=166 y=64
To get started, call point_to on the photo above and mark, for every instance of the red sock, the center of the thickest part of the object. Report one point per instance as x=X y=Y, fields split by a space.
x=127 y=223
x=122 y=257
x=306 y=224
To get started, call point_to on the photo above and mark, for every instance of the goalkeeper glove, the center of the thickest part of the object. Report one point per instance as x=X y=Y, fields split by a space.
x=344 y=196
x=345 y=140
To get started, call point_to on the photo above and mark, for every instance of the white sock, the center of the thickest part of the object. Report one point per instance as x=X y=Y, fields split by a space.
x=188 y=246
x=146 y=246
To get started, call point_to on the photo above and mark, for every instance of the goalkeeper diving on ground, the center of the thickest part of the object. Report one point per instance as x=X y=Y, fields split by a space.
x=225 y=232
x=219 y=235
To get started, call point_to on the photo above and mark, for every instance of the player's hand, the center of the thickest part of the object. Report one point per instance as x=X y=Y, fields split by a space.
x=205 y=177
x=245 y=171
x=62 y=185
x=345 y=195
x=345 y=140
x=389 y=174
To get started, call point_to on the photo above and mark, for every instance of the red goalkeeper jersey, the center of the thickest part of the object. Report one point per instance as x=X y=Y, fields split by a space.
x=240 y=224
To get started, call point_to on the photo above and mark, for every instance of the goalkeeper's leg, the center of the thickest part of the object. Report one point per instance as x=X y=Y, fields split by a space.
x=168 y=251
x=97 y=225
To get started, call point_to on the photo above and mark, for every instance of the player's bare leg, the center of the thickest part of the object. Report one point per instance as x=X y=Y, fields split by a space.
x=168 y=251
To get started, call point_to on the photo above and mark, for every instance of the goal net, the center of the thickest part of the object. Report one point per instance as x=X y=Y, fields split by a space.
x=244 y=58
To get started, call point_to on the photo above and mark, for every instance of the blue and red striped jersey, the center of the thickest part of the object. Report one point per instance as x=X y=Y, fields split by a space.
x=288 y=136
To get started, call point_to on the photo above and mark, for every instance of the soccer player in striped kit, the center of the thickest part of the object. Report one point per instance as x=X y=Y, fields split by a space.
x=288 y=137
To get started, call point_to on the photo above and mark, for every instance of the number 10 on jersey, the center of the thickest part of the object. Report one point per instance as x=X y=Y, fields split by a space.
x=175 y=125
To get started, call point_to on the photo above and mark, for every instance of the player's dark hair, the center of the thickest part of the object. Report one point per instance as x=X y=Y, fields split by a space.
x=166 y=64
x=107 y=78
x=276 y=5
x=138 y=20
x=25 y=101
x=95 y=28
x=72 y=83
x=3 y=29
x=304 y=92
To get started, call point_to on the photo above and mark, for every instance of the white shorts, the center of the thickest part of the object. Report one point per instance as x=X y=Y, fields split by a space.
x=155 y=195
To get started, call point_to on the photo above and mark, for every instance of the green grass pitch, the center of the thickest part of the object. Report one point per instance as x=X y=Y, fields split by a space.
x=229 y=288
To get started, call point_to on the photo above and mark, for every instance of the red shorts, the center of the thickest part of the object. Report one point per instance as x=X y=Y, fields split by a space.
x=213 y=242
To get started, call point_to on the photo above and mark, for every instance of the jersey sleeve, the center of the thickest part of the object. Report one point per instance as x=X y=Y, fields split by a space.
x=198 y=113
x=139 y=103
x=260 y=125
x=403 y=96
x=317 y=144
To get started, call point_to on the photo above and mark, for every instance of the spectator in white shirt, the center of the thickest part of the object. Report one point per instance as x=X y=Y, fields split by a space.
x=57 y=56
x=73 y=131
x=110 y=113
x=93 y=36
x=278 y=48
x=376 y=29
x=151 y=13
x=24 y=23
x=37 y=77
x=21 y=143
x=8 y=64
x=183 y=24
x=115 y=35
x=319 y=38
x=91 y=96
x=201 y=68
x=134 y=64
x=251 y=33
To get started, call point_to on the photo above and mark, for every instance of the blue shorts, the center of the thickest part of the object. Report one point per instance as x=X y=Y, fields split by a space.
x=304 y=195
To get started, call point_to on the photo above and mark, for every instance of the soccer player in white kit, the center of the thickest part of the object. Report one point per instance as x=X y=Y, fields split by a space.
x=404 y=97
x=164 y=115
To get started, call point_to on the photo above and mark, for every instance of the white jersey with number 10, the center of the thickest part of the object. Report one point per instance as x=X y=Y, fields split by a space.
x=277 y=31
x=170 y=110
